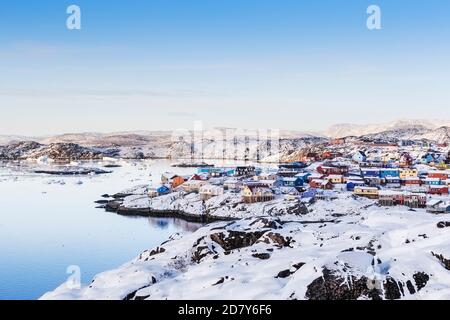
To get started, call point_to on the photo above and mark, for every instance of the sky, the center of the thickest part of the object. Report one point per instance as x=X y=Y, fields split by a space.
x=163 y=64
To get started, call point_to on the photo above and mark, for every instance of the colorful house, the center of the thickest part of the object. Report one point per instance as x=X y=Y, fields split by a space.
x=324 y=184
x=370 y=172
x=256 y=193
x=351 y=185
x=336 y=178
x=368 y=192
x=303 y=176
x=173 y=180
x=439 y=190
x=291 y=182
x=359 y=156
x=208 y=191
x=442 y=175
x=432 y=181
x=389 y=172
x=408 y=173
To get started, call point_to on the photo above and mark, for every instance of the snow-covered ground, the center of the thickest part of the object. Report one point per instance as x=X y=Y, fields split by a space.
x=348 y=248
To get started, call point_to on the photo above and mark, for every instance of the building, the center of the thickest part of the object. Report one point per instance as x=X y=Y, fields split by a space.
x=432 y=181
x=245 y=171
x=256 y=193
x=291 y=182
x=324 y=184
x=392 y=182
x=441 y=175
x=412 y=181
x=304 y=176
x=389 y=172
x=439 y=190
x=232 y=184
x=332 y=169
x=368 y=192
x=159 y=191
x=193 y=185
x=438 y=206
x=393 y=198
x=359 y=156
x=336 y=178
x=208 y=191
x=293 y=166
x=370 y=172
x=171 y=179
x=352 y=184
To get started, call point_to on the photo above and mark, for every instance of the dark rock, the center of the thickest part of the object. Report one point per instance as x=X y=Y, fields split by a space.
x=284 y=274
x=262 y=256
x=421 y=279
x=410 y=287
x=222 y=280
x=443 y=224
x=332 y=286
x=156 y=251
x=392 y=289
x=236 y=239
x=445 y=262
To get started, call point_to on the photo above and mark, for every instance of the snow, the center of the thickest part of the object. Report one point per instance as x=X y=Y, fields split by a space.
x=401 y=239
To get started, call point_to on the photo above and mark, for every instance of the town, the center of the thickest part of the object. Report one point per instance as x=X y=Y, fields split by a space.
x=411 y=175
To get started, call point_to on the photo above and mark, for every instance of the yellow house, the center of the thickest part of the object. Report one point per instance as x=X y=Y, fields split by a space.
x=408 y=173
x=366 y=192
x=336 y=178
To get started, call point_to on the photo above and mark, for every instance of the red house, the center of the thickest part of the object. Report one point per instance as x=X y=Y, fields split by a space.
x=412 y=181
x=321 y=184
x=331 y=169
x=441 y=190
x=438 y=174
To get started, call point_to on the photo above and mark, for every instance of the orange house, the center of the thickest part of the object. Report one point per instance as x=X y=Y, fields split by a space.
x=176 y=181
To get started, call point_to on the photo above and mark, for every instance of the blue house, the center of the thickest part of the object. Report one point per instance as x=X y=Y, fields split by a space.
x=293 y=165
x=163 y=190
x=389 y=172
x=432 y=181
x=303 y=176
x=370 y=172
x=291 y=182
x=352 y=184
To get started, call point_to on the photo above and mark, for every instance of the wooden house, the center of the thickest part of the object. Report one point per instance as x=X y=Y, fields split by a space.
x=256 y=193
x=392 y=182
x=159 y=191
x=245 y=171
x=432 y=182
x=336 y=178
x=370 y=172
x=291 y=182
x=359 y=156
x=439 y=190
x=406 y=173
x=389 y=172
x=193 y=185
x=332 y=169
x=368 y=192
x=352 y=184
x=208 y=191
x=412 y=181
x=232 y=184
x=442 y=175
x=438 y=206
x=171 y=179
x=324 y=184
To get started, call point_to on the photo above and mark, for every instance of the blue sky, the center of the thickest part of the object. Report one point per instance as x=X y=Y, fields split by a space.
x=163 y=64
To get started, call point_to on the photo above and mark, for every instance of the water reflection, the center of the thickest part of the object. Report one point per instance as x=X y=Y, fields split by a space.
x=165 y=223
